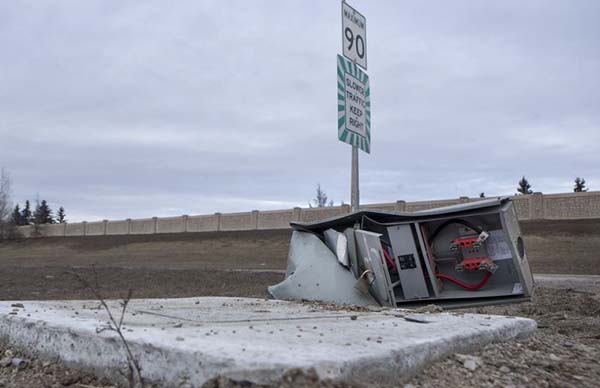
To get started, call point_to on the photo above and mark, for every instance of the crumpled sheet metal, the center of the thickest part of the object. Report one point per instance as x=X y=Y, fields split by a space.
x=314 y=273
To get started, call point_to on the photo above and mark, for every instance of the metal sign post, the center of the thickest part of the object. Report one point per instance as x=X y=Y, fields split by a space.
x=354 y=191
x=354 y=106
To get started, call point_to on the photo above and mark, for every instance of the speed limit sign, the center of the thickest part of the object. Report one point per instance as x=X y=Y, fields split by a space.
x=354 y=35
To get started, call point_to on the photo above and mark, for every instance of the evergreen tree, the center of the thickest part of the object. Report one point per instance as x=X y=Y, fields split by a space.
x=43 y=214
x=61 y=216
x=524 y=186
x=580 y=185
x=26 y=215
x=16 y=216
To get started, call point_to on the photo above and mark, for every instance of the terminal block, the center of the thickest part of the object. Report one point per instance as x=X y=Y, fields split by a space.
x=464 y=243
x=469 y=242
x=476 y=264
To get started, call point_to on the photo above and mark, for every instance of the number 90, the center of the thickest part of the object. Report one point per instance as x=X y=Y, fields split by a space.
x=359 y=45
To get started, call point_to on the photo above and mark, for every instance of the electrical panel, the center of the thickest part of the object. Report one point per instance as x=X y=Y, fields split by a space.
x=456 y=256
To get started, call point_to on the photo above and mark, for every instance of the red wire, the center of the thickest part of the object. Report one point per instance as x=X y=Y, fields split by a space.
x=389 y=259
x=470 y=287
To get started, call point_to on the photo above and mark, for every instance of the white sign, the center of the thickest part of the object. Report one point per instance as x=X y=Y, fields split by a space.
x=354 y=105
x=354 y=35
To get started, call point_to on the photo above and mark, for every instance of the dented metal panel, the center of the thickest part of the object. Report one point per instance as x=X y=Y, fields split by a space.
x=314 y=273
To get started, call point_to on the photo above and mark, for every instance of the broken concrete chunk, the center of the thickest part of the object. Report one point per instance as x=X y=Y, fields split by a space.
x=469 y=362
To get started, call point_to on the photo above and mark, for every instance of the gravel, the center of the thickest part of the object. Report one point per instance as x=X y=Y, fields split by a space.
x=18 y=369
x=563 y=353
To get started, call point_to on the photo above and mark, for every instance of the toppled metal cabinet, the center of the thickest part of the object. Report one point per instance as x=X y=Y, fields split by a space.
x=458 y=255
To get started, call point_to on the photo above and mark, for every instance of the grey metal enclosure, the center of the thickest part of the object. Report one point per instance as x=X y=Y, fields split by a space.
x=455 y=256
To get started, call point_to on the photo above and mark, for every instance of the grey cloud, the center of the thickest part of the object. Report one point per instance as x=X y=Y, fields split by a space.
x=132 y=109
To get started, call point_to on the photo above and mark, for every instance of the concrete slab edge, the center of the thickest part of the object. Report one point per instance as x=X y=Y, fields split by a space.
x=406 y=362
x=104 y=355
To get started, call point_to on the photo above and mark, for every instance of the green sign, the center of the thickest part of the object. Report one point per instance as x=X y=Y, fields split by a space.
x=354 y=105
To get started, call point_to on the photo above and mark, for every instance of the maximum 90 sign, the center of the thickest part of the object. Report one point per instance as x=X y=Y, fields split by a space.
x=354 y=35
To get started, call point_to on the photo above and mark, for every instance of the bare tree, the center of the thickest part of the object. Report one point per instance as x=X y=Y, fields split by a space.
x=321 y=199
x=6 y=226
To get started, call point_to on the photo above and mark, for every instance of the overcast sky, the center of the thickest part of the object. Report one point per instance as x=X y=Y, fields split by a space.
x=117 y=109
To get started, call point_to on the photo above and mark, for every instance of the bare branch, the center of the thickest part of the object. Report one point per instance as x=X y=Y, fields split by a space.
x=124 y=305
x=133 y=365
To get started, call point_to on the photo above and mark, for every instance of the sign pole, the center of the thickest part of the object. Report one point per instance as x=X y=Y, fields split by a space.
x=354 y=106
x=354 y=193
x=354 y=182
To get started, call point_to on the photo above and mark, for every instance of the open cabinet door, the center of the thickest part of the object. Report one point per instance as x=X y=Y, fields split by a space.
x=370 y=256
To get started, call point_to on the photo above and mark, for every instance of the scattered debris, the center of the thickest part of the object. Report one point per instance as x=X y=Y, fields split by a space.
x=554 y=357
x=468 y=361
x=19 y=362
x=415 y=318
x=430 y=308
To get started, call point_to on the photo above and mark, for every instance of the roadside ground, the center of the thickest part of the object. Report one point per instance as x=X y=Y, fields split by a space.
x=564 y=352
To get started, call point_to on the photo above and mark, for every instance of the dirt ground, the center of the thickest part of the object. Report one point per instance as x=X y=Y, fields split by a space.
x=61 y=283
x=564 y=352
x=182 y=265
x=563 y=246
x=253 y=249
x=552 y=247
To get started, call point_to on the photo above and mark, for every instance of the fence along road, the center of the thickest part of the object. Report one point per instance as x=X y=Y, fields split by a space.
x=537 y=206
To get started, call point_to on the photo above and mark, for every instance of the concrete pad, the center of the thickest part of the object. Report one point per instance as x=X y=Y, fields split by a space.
x=194 y=339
